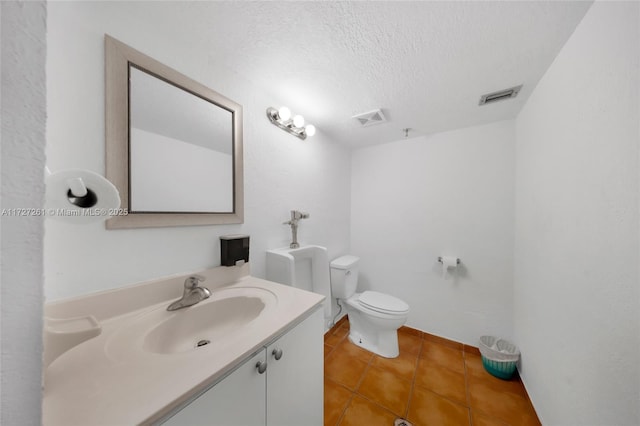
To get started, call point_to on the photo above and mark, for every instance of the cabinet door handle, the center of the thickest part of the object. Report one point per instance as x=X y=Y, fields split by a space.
x=277 y=353
x=261 y=366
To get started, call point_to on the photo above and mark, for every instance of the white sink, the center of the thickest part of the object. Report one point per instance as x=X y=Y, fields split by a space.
x=127 y=347
x=201 y=324
x=212 y=323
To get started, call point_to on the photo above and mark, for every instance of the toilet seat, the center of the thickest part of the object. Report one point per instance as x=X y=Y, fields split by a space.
x=382 y=303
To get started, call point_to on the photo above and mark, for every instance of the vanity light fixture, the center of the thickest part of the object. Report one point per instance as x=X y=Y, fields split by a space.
x=282 y=118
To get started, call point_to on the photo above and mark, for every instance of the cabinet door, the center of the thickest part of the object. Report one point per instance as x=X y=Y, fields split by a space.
x=295 y=383
x=237 y=400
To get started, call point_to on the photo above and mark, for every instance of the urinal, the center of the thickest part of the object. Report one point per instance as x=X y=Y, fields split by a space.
x=306 y=268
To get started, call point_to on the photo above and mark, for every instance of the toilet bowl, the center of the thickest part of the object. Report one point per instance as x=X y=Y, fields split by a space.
x=374 y=318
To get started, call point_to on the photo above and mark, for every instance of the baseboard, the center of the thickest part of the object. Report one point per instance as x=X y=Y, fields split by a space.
x=423 y=335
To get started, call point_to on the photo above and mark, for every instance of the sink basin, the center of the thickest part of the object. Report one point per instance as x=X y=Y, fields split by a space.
x=204 y=322
x=214 y=322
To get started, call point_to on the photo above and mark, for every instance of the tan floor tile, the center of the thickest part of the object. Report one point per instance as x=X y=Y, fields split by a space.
x=334 y=339
x=477 y=373
x=404 y=365
x=344 y=369
x=409 y=343
x=506 y=406
x=341 y=332
x=335 y=401
x=343 y=320
x=330 y=332
x=327 y=350
x=443 y=355
x=479 y=419
x=512 y=386
x=440 y=391
x=355 y=351
x=386 y=389
x=474 y=365
x=409 y=330
x=442 y=341
x=471 y=350
x=427 y=408
x=361 y=412
x=339 y=327
x=443 y=381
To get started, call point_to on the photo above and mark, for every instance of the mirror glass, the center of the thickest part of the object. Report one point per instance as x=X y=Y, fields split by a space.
x=174 y=146
x=180 y=147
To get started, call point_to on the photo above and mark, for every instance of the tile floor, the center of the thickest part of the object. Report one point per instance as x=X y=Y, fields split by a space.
x=432 y=382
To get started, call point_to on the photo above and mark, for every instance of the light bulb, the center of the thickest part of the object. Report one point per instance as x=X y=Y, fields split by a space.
x=310 y=129
x=284 y=113
x=298 y=121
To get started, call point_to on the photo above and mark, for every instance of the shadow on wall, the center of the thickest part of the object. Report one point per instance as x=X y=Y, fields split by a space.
x=453 y=276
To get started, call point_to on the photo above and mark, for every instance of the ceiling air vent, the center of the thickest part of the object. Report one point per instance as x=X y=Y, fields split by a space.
x=501 y=95
x=370 y=118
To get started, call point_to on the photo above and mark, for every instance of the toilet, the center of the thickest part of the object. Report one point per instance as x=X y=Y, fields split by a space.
x=374 y=317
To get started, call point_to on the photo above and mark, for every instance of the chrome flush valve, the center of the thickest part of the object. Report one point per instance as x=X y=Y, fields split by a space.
x=296 y=215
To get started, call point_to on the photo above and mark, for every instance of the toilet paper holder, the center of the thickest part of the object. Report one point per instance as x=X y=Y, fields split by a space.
x=80 y=196
x=457 y=260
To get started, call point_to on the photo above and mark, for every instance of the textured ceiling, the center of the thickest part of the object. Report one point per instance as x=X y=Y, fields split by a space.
x=425 y=64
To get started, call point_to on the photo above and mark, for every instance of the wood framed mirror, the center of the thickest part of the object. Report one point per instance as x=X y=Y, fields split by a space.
x=173 y=145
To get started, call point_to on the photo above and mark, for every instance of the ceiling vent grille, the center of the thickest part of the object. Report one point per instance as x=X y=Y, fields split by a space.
x=501 y=95
x=370 y=118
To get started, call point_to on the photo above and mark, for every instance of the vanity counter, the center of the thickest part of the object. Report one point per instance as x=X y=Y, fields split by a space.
x=112 y=379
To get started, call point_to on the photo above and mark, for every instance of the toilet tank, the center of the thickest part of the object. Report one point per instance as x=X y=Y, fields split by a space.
x=344 y=276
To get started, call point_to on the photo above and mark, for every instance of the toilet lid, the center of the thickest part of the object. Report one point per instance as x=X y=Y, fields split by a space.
x=382 y=302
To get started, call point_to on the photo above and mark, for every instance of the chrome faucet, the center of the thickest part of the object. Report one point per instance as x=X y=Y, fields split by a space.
x=295 y=217
x=193 y=293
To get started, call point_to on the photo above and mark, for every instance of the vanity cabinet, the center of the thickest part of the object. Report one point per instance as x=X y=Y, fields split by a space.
x=237 y=400
x=295 y=382
x=288 y=392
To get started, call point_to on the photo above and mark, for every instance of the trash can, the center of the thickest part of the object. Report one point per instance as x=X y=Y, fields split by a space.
x=499 y=356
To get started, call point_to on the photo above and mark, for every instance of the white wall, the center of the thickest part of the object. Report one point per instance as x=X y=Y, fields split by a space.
x=281 y=171
x=23 y=140
x=446 y=194
x=576 y=295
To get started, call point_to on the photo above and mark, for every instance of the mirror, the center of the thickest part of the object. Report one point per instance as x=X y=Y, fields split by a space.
x=174 y=146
